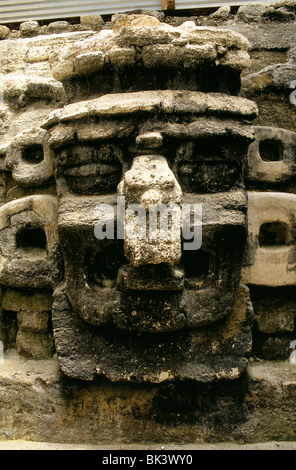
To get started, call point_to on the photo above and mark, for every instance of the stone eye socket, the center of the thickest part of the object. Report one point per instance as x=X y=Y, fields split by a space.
x=31 y=238
x=33 y=154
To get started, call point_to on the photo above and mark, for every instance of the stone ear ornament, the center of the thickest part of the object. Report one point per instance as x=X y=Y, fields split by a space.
x=29 y=243
x=30 y=159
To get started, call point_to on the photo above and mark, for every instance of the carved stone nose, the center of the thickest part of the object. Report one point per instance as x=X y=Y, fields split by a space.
x=153 y=211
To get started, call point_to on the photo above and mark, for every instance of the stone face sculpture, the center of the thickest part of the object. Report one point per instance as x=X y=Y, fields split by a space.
x=137 y=309
x=153 y=119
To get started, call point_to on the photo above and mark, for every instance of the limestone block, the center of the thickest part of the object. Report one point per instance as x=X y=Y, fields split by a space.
x=237 y=60
x=120 y=58
x=225 y=38
x=34 y=345
x=166 y=101
x=129 y=16
x=274 y=309
x=270 y=252
x=272 y=156
x=222 y=12
x=58 y=26
x=91 y=46
x=4 y=31
x=89 y=62
x=138 y=35
x=15 y=300
x=20 y=90
x=250 y=13
x=63 y=70
x=124 y=21
x=29 y=28
x=164 y=55
x=150 y=140
x=93 y=20
x=33 y=321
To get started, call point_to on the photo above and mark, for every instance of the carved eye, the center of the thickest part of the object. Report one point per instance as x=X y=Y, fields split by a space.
x=90 y=169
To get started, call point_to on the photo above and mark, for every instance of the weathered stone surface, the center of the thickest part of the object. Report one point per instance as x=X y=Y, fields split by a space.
x=93 y=20
x=49 y=404
x=123 y=21
x=250 y=13
x=271 y=159
x=272 y=348
x=90 y=62
x=58 y=26
x=159 y=361
x=20 y=90
x=29 y=246
x=18 y=301
x=275 y=76
x=222 y=12
x=274 y=309
x=29 y=159
x=36 y=322
x=279 y=14
x=156 y=186
x=34 y=345
x=167 y=102
x=160 y=15
x=189 y=46
x=4 y=31
x=29 y=28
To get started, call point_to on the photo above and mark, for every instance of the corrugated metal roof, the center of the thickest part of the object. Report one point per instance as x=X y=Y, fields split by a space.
x=191 y=5
x=21 y=10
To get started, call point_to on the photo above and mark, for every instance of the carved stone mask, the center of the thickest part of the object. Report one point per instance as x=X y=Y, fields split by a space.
x=159 y=126
x=137 y=301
